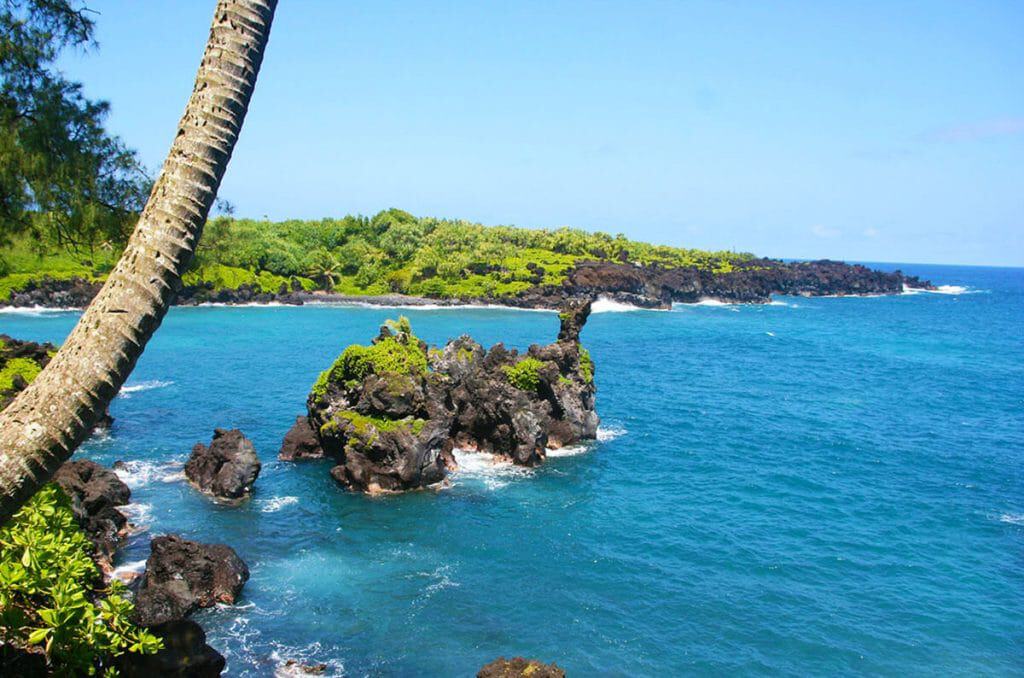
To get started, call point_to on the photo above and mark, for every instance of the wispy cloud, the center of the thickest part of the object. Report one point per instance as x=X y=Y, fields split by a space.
x=976 y=131
x=824 y=231
x=870 y=232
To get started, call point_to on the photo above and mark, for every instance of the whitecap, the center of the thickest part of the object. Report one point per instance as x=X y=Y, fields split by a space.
x=493 y=471
x=770 y=334
x=605 y=304
x=276 y=503
x=126 y=391
x=139 y=515
x=1012 y=518
x=137 y=473
x=611 y=432
x=941 y=289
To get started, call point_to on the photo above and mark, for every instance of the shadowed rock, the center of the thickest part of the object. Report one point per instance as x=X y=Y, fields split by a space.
x=185 y=654
x=301 y=442
x=182 y=576
x=95 y=493
x=227 y=468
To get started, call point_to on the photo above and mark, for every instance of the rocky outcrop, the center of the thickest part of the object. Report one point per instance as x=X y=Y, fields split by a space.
x=227 y=468
x=185 y=654
x=390 y=414
x=183 y=576
x=753 y=281
x=301 y=442
x=95 y=494
x=54 y=293
x=518 y=667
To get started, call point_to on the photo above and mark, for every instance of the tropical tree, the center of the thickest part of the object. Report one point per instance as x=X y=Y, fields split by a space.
x=44 y=425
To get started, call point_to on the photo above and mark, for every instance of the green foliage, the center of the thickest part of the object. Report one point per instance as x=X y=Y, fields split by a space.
x=24 y=367
x=399 y=354
x=586 y=366
x=63 y=179
x=366 y=429
x=390 y=252
x=49 y=595
x=525 y=374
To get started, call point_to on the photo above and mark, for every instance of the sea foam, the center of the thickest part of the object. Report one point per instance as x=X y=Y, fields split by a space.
x=127 y=391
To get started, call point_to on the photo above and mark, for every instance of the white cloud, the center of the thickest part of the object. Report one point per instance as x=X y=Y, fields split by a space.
x=824 y=231
x=870 y=232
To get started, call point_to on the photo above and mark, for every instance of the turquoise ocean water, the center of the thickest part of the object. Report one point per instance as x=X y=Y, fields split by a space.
x=817 y=486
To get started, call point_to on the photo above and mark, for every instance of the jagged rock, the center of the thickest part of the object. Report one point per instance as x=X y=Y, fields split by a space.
x=227 y=468
x=300 y=442
x=23 y=662
x=182 y=576
x=293 y=667
x=391 y=413
x=185 y=654
x=95 y=493
x=518 y=667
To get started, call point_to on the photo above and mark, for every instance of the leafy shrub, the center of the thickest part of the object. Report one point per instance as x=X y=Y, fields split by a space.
x=397 y=354
x=586 y=366
x=525 y=374
x=24 y=367
x=49 y=595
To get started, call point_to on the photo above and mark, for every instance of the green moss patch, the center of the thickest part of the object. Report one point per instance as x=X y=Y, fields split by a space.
x=525 y=374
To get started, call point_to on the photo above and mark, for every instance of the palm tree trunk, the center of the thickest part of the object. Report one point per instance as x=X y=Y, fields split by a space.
x=48 y=420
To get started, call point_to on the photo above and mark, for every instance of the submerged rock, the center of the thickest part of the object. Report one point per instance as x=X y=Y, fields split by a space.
x=95 y=494
x=227 y=468
x=182 y=576
x=518 y=667
x=391 y=413
x=301 y=442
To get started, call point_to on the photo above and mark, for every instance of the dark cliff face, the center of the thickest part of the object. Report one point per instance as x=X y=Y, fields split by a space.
x=390 y=414
x=750 y=282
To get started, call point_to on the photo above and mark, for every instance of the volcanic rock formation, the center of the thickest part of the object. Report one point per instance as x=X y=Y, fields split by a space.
x=391 y=413
x=227 y=468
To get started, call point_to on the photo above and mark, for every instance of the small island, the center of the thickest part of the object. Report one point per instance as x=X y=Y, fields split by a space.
x=391 y=413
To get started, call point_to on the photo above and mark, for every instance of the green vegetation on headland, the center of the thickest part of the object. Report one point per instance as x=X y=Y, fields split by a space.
x=391 y=252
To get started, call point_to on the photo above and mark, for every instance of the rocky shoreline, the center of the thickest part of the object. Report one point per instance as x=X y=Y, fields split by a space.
x=654 y=287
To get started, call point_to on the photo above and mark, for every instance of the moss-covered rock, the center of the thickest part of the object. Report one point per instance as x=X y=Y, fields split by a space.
x=390 y=413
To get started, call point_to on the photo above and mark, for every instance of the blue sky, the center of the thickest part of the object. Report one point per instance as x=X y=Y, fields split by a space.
x=878 y=131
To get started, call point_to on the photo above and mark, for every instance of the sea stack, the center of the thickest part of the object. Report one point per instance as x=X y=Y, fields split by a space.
x=390 y=414
x=227 y=468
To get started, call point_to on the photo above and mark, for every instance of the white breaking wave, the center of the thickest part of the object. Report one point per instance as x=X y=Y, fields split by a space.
x=276 y=503
x=139 y=515
x=611 y=432
x=136 y=474
x=494 y=472
x=428 y=307
x=941 y=289
x=604 y=304
x=1012 y=518
x=38 y=310
x=127 y=391
x=127 y=571
x=568 y=451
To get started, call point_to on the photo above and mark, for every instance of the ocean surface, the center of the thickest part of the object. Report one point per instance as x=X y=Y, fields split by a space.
x=816 y=486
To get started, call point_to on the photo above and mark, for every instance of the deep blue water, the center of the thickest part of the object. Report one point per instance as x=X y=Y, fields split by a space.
x=819 y=486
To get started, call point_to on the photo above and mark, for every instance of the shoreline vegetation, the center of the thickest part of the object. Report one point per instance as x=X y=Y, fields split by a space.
x=395 y=258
